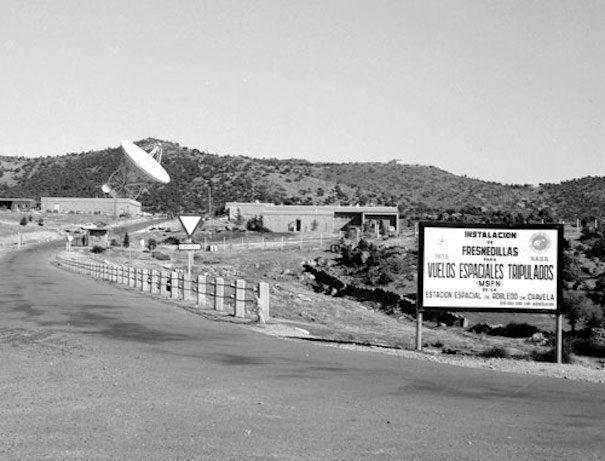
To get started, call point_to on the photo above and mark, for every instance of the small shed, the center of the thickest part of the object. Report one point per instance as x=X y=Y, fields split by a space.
x=96 y=236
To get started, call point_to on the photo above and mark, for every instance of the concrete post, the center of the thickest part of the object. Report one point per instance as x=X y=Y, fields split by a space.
x=145 y=281
x=202 y=288
x=263 y=301
x=131 y=276
x=155 y=280
x=186 y=287
x=164 y=283
x=240 y=298
x=174 y=283
x=219 y=294
x=137 y=275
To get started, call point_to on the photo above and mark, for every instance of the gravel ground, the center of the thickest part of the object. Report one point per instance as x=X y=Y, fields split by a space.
x=576 y=371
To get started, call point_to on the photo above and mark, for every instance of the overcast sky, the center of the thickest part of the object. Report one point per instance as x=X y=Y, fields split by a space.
x=509 y=91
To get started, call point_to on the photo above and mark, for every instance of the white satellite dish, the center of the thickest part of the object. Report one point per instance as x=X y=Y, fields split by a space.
x=138 y=168
x=145 y=162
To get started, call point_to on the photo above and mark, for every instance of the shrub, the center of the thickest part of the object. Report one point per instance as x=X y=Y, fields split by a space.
x=126 y=242
x=97 y=249
x=152 y=244
x=578 y=308
x=597 y=250
x=172 y=240
x=256 y=224
x=590 y=347
x=550 y=355
x=495 y=353
x=40 y=222
x=515 y=330
x=23 y=221
x=114 y=243
x=160 y=256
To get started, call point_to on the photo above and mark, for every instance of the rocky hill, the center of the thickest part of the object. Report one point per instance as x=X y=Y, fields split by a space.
x=196 y=175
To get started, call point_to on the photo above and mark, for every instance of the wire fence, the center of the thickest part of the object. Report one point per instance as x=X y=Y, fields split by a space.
x=270 y=242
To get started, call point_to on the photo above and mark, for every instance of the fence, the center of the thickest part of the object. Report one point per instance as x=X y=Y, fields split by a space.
x=300 y=241
x=224 y=295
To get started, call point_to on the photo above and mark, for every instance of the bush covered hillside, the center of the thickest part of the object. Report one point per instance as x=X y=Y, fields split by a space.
x=415 y=189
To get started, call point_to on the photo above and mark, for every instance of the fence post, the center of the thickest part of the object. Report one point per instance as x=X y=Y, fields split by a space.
x=155 y=279
x=137 y=273
x=263 y=301
x=240 y=298
x=201 y=290
x=131 y=276
x=219 y=293
x=174 y=285
x=186 y=287
x=164 y=283
x=145 y=280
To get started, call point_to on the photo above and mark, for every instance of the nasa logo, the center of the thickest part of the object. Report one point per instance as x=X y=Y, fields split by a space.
x=539 y=242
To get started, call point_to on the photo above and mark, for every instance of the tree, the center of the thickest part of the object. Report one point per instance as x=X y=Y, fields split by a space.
x=239 y=219
x=126 y=242
x=23 y=221
x=578 y=308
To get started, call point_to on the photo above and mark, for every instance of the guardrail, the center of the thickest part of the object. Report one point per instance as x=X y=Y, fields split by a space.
x=217 y=293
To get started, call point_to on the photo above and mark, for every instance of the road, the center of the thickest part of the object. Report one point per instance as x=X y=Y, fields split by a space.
x=91 y=371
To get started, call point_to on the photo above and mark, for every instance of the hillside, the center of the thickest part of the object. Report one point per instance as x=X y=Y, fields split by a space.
x=415 y=189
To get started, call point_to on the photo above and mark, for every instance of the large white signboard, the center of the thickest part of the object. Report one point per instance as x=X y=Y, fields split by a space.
x=490 y=268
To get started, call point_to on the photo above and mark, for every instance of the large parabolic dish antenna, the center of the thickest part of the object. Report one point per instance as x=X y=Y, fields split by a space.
x=145 y=162
x=138 y=170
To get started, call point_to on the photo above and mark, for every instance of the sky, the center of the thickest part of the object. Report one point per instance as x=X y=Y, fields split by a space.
x=511 y=91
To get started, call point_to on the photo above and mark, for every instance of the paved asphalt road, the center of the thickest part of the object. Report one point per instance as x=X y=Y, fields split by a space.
x=90 y=371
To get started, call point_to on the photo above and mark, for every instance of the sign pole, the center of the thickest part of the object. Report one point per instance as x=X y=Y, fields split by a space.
x=559 y=340
x=418 y=330
x=190 y=258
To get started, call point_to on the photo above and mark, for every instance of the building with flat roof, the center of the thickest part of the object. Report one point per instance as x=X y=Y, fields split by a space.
x=17 y=204
x=108 y=206
x=304 y=218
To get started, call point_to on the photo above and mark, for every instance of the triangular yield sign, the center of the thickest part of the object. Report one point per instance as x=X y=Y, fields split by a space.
x=190 y=223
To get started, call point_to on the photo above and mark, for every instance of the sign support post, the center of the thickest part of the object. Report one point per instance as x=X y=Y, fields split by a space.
x=559 y=340
x=418 y=330
x=189 y=260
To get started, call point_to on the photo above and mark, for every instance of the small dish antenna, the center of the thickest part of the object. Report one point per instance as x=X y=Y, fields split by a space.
x=138 y=169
